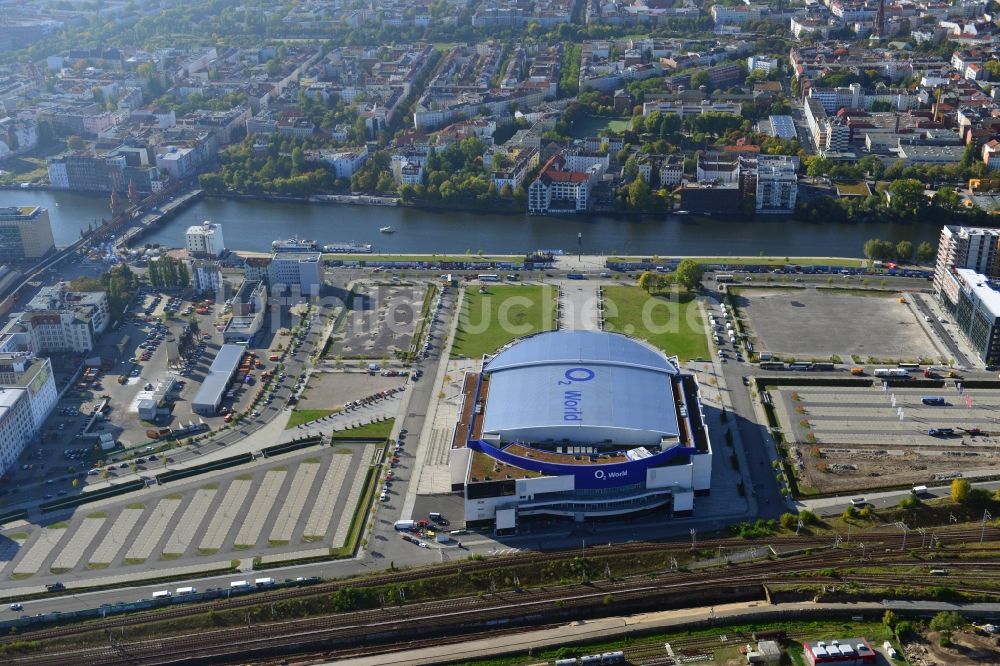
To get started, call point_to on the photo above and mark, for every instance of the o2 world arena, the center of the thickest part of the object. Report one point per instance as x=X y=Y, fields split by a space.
x=581 y=425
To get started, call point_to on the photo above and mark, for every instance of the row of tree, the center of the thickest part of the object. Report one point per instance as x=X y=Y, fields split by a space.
x=168 y=273
x=688 y=275
x=120 y=283
x=902 y=251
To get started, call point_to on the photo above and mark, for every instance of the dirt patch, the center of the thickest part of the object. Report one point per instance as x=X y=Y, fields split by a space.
x=831 y=468
x=330 y=390
x=380 y=321
x=966 y=648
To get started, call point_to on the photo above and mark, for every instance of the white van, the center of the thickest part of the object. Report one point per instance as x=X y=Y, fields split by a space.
x=919 y=490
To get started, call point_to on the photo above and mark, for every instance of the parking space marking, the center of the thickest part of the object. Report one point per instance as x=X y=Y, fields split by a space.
x=225 y=515
x=116 y=538
x=191 y=519
x=319 y=518
x=260 y=508
x=151 y=533
x=41 y=549
x=344 y=526
x=70 y=555
x=286 y=521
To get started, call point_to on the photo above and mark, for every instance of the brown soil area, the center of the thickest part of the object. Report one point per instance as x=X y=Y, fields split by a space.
x=967 y=648
x=846 y=468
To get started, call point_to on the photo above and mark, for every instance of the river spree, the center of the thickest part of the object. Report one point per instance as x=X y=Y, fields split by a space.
x=252 y=225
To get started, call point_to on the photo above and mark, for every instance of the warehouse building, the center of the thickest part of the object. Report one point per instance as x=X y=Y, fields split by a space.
x=220 y=373
x=579 y=425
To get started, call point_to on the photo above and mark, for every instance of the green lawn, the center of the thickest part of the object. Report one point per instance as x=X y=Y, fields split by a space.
x=379 y=429
x=769 y=261
x=676 y=328
x=591 y=125
x=468 y=258
x=505 y=312
x=300 y=416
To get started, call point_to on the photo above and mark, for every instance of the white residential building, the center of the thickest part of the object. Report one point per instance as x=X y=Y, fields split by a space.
x=205 y=239
x=762 y=64
x=16 y=428
x=346 y=162
x=560 y=190
x=777 y=184
x=206 y=276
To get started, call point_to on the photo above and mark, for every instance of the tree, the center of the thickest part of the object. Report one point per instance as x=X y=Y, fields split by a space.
x=890 y=619
x=639 y=197
x=926 y=252
x=904 y=250
x=688 y=274
x=646 y=281
x=948 y=199
x=879 y=250
x=907 y=197
x=960 y=490
x=701 y=78
x=947 y=621
x=788 y=520
x=73 y=142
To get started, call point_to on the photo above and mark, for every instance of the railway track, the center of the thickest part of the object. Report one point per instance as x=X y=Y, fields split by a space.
x=319 y=632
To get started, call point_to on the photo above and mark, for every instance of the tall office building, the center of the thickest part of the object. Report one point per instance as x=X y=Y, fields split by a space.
x=25 y=233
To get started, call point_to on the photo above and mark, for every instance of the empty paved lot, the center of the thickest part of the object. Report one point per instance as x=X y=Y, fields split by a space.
x=814 y=323
x=380 y=320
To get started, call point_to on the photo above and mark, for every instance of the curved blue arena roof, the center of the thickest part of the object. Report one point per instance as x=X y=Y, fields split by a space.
x=584 y=387
x=580 y=347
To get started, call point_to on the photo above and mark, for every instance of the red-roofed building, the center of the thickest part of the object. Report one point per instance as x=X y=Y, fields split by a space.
x=846 y=652
x=559 y=190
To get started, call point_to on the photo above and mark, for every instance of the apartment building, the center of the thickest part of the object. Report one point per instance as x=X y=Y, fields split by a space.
x=974 y=248
x=559 y=189
x=777 y=184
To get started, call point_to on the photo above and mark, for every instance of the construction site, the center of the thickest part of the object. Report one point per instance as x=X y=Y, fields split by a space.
x=847 y=438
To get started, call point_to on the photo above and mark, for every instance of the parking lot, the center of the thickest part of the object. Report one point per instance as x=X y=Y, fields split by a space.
x=380 y=321
x=853 y=437
x=333 y=390
x=300 y=502
x=819 y=323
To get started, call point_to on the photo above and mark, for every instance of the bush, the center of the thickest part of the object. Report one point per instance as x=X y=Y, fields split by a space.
x=808 y=517
x=947 y=621
x=788 y=520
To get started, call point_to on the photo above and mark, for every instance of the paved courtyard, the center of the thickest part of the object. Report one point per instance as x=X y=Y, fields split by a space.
x=279 y=509
x=818 y=323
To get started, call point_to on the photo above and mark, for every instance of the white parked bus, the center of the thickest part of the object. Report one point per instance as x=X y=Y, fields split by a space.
x=184 y=591
x=489 y=277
